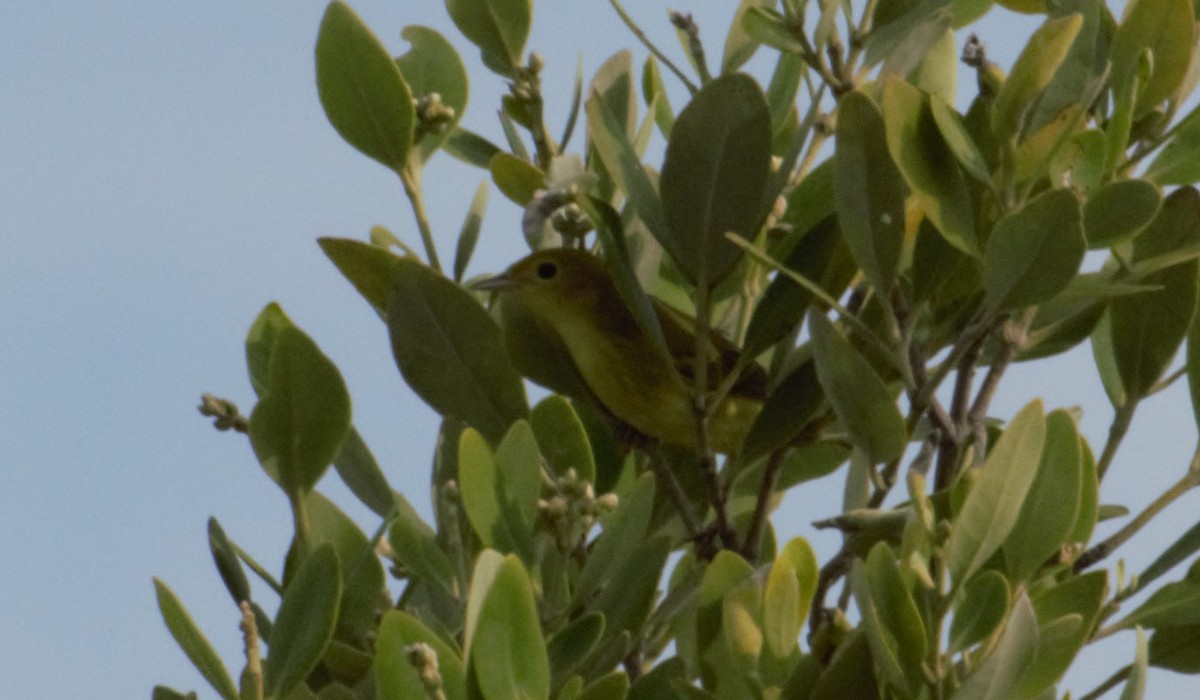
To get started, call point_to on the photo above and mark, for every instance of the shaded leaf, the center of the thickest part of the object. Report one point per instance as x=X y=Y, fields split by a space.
x=469 y=234
x=361 y=473
x=892 y=622
x=867 y=189
x=305 y=622
x=1118 y=210
x=979 y=611
x=997 y=675
x=451 y=352
x=863 y=405
x=498 y=27
x=433 y=66
x=1034 y=252
x=562 y=438
x=1176 y=648
x=927 y=163
x=714 y=176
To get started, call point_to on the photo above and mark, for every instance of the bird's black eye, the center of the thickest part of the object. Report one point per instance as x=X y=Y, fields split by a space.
x=547 y=270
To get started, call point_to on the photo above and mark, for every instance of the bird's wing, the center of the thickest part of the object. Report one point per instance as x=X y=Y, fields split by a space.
x=679 y=330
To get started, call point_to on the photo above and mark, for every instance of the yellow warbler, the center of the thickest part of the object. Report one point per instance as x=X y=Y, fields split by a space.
x=570 y=296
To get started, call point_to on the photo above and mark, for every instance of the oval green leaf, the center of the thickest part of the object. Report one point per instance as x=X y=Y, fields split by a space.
x=864 y=406
x=508 y=653
x=361 y=89
x=303 y=416
x=994 y=502
x=433 y=66
x=979 y=610
x=395 y=676
x=868 y=190
x=1034 y=252
x=1117 y=211
x=1167 y=28
x=562 y=439
x=715 y=175
x=451 y=352
x=499 y=28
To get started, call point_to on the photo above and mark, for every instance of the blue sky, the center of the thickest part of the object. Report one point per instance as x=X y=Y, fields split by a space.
x=165 y=169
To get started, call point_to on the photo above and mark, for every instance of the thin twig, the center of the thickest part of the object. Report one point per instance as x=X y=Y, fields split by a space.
x=1111 y=682
x=1116 y=433
x=641 y=36
x=412 y=188
x=675 y=493
x=761 y=505
x=1098 y=552
x=704 y=450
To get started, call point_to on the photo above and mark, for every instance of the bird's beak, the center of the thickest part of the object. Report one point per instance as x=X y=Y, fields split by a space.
x=498 y=283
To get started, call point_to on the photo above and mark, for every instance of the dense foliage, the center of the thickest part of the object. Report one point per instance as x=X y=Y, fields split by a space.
x=884 y=289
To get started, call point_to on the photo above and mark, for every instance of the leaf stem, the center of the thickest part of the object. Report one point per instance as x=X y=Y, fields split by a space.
x=411 y=177
x=641 y=36
x=1116 y=433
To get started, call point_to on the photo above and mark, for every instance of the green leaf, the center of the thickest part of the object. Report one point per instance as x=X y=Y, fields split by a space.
x=997 y=675
x=739 y=44
x=868 y=190
x=741 y=612
x=395 y=676
x=487 y=500
x=162 y=692
x=517 y=179
x=629 y=592
x=433 y=66
x=1135 y=687
x=416 y=547
x=470 y=147
x=654 y=91
x=361 y=473
x=927 y=164
x=1182 y=548
x=507 y=651
x=303 y=416
x=520 y=463
x=1147 y=328
x=788 y=595
x=850 y=673
x=767 y=26
x=1178 y=163
x=958 y=140
x=368 y=267
x=193 y=642
x=562 y=438
x=980 y=609
x=1118 y=210
x=260 y=343
x=613 y=146
x=991 y=508
x=305 y=622
x=228 y=565
x=714 y=176
x=937 y=73
x=622 y=530
x=1167 y=29
x=1034 y=252
x=1030 y=75
x=611 y=686
x=499 y=28
x=361 y=89
x=1174 y=604
x=1176 y=648
x=893 y=624
x=572 y=645
x=451 y=352
x=863 y=405
x=613 y=84
x=1066 y=613
x=1052 y=504
x=469 y=234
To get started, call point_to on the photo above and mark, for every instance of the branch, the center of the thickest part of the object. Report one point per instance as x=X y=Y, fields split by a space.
x=411 y=178
x=1116 y=433
x=765 y=488
x=1098 y=552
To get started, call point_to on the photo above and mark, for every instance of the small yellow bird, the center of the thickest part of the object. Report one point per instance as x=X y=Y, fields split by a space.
x=569 y=297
